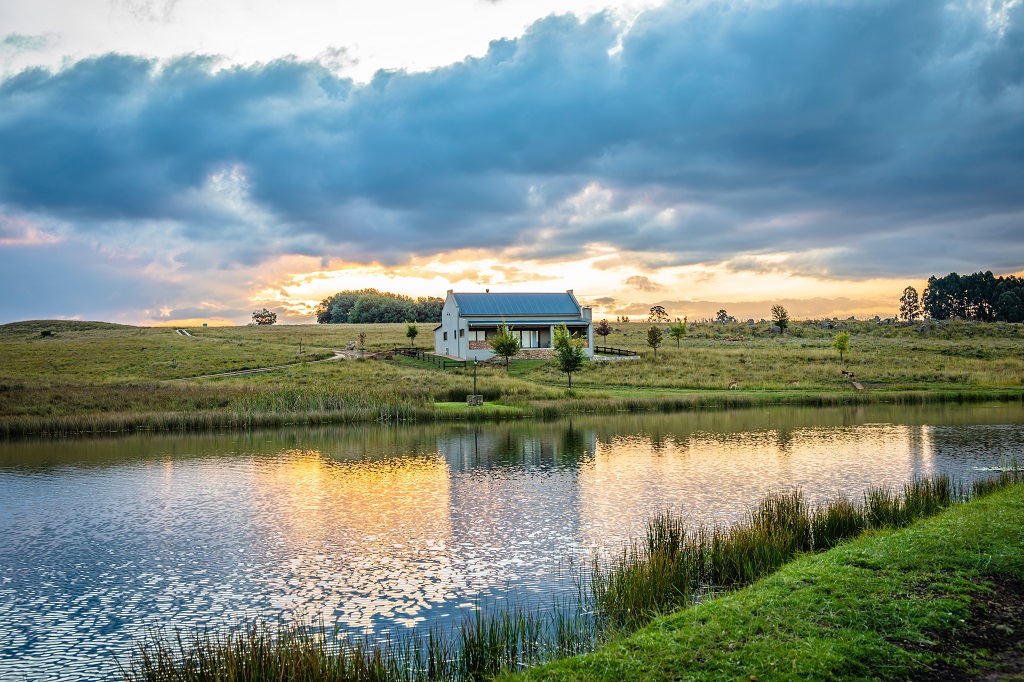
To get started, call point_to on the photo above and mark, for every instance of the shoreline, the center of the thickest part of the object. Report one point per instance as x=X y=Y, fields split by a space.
x=899 y=604
x=113 y=423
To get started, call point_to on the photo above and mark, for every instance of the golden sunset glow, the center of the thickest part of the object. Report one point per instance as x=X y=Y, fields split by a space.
x=349 y=524
x=611 y=284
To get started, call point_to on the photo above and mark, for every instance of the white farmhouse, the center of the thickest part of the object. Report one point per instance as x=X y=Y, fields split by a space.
x=468 y=320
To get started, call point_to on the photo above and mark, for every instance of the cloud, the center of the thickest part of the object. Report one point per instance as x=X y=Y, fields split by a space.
x=513 y=275
x=798 y=308
x=147 y=10
x=641 y=283
x=861 y=139
x=337 y=59
x=19 y=42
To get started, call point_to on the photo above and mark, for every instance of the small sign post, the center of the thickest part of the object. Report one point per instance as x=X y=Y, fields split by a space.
x=475 y=400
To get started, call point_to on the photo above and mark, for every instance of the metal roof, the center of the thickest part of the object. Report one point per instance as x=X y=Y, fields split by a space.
x=519 y=323
x=496 y=305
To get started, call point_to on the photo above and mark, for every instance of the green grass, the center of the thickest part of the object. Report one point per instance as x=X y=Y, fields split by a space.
x=486 y=410
x=870 y=609
x=890 y=357
x=675 y=564
x=99 y=377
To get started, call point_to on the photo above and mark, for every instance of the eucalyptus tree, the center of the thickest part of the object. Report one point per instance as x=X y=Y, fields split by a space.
x=910 y=305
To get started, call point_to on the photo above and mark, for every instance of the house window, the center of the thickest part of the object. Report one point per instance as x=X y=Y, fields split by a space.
x=528 y=338
x=462 y=332
x=446 y=336
x=477 y=335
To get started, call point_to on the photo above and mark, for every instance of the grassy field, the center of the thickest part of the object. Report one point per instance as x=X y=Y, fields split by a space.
x=60 y=377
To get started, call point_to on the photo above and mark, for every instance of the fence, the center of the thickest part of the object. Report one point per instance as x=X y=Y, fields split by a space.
x=439 y=361
x=605 y=350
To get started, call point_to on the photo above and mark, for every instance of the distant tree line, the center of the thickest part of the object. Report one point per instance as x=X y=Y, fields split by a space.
x=370 y=305
x=981 y=296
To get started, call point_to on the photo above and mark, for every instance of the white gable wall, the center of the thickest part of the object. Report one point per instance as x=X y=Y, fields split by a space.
x=447 y=340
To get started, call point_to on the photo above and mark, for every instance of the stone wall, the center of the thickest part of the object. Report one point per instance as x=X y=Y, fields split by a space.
x=534 y=354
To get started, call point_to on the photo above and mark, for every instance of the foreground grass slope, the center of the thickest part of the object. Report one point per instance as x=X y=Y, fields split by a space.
x=60 y=377
x=876 y=608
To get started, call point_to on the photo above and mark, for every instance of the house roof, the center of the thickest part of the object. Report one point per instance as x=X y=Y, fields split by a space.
x=518 y=323
x=497 y=305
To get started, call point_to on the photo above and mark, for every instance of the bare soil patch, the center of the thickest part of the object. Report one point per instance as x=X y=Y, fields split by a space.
x=996 y=626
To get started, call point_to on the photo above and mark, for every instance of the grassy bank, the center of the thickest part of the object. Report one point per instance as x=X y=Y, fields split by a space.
x=862 y=610
x=875 y=608
x=63 y=378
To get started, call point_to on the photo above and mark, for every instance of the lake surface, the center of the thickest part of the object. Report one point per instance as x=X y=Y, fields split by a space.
x=377 y=528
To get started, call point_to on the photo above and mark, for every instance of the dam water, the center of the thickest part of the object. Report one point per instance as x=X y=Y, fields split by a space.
x=382 y=528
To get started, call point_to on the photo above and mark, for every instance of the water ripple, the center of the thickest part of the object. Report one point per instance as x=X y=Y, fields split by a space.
x=378 y=528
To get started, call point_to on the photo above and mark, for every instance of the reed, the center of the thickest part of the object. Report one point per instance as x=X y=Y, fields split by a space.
x=836 y=522
x=674 y=565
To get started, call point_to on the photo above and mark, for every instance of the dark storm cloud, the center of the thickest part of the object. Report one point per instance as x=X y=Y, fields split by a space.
x=879 y=134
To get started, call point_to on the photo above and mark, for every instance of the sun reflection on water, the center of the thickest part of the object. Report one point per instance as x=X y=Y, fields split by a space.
x=378 y=528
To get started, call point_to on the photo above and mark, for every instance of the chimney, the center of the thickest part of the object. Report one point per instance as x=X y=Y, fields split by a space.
x=487 y=291
x=568 y=291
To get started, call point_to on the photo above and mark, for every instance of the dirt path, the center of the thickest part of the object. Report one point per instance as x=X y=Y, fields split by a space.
x=338 y=355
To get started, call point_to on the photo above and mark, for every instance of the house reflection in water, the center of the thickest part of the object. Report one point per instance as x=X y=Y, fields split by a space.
x=515 y=500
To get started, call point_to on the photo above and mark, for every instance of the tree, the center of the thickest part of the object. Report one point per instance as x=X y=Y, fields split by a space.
x=654 y=338
x=262 y=317
x=411 y=332
x=780 y=316
x=658 y=314
x=910 y=305
x=505 y=343
x=603 y=329
x=1010 y=307
x=370 y=305
x=569 y=353
x=841 y=344
x=678 y=330
x=722 y=317
x=428 y=308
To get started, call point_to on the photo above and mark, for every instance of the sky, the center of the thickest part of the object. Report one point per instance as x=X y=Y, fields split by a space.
x=170 y=162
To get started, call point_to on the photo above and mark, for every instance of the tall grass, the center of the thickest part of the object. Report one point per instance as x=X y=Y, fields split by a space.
x=674 y=565
x=488 y=642
x=677 y=563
